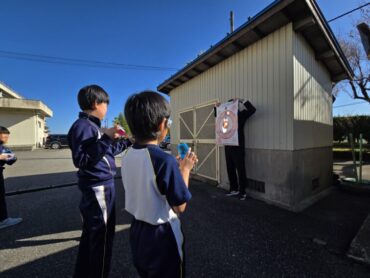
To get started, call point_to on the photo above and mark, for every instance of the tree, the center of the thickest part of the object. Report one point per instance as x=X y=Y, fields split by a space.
x=352 y=47
x=356 y=125
x=121 y=120
x=339 y=129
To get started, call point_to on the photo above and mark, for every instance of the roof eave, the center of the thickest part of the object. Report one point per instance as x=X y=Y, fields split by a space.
x=332 y=39
x=342 y=70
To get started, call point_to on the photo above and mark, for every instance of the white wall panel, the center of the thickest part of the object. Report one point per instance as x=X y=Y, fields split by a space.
x=262 y=73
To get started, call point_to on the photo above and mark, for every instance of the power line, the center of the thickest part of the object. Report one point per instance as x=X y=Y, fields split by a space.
x=78 y=62
x=349 y=104
x=100 y=64
x=339 y=16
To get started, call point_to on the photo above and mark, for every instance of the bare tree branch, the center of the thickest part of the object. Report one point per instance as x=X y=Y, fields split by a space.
x=351 y=46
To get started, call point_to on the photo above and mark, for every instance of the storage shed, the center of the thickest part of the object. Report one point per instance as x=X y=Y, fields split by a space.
x=285 y=60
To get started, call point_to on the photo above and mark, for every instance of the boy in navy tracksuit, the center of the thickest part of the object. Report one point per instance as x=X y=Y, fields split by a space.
x=6 y=157
x=93 y=151
x=157 y=193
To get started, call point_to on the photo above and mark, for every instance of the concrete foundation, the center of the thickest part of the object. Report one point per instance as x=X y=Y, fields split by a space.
x=289 y=179
x=359 y=249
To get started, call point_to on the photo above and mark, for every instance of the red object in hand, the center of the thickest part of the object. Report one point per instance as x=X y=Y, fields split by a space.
x=121 y=131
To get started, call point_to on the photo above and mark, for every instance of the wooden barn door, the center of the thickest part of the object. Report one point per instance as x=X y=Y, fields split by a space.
x=197 y=129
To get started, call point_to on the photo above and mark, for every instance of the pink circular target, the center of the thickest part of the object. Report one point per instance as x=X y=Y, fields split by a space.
x=226 y=124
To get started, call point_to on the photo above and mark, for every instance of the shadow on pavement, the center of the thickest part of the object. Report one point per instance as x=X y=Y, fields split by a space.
x=225 y=237
x=30 y=182
x=45 y=244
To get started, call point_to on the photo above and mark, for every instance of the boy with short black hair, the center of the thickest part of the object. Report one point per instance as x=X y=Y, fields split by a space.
x=93 y=150
x=156 y=189
x=6 y=157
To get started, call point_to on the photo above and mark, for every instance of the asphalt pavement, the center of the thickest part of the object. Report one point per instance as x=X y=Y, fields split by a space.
x=41 y=168
x=225 y=237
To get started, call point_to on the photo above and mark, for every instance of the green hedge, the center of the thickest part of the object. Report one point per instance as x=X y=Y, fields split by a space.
x=343 y=126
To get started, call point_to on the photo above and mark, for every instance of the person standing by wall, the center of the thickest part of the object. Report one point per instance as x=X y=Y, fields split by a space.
x=235 y=155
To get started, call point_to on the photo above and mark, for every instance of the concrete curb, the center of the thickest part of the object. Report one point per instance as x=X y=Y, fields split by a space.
x=360 y=246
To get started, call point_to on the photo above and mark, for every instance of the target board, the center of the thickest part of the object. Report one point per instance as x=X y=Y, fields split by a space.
x=227 y=124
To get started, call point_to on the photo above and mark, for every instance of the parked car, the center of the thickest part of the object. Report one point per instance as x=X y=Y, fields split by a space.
x=166 y=143
x=56 y=141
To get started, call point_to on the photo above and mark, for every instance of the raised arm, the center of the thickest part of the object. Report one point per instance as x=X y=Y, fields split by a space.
x=185 y=168
x=249 y=111
x=120 y=145
x=87 y=148
x=173 y=183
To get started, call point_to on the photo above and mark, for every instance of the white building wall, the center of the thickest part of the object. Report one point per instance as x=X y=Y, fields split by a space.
x=313 y=120
x=22 y=126
x=40 y=130
x=261 y=73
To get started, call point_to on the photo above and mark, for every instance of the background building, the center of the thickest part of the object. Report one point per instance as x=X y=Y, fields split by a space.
x=24 y=118
x=285 y=60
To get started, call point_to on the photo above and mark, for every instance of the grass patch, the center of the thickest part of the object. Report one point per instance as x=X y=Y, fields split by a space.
x=350 y=150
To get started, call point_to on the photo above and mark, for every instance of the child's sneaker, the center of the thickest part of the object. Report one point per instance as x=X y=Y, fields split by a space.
x=10 y=222
x=242 y=197
x=232 y=193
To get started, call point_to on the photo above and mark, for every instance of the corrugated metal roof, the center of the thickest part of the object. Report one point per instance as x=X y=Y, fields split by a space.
x=307 y=19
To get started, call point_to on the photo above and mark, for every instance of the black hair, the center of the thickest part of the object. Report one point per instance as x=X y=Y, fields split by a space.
x=90 y=94
x=144 y=113
x=4 y=130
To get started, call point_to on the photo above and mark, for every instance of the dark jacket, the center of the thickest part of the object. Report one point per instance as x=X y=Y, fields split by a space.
x=93 y=151
x=242 y=118
x=4 y=150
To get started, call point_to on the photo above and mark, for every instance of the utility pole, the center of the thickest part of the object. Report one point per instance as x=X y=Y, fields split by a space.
x=231 y=22
x=364 y=31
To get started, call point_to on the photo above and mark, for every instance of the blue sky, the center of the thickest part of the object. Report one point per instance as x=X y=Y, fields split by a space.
x=162 y=33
